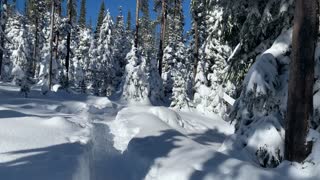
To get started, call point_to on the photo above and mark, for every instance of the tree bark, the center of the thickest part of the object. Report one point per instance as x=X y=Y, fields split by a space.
x=35 y=49
x=68 y=42
x=196 y=49
x=2 y=35
x=301 y=80
x=163 y=34
x=136 y=36
x=51 y=43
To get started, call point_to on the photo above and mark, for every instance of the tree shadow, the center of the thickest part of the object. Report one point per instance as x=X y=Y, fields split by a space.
x=209 y=137
x=136 y=161
x=49 y=163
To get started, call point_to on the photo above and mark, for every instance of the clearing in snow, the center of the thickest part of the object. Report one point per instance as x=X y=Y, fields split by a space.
x=64 y=136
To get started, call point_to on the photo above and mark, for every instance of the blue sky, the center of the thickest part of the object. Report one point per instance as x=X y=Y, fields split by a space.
x=113 y=6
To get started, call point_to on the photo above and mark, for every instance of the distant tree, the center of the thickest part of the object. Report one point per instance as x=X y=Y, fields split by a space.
x=101 y=15
x=82 y=18
x=147 y=30
x=136 y=36
x=129 y=21
x=301 y=80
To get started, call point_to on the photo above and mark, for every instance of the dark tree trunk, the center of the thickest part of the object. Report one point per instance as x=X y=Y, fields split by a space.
x=51 y=43
x=68 y=41
x=2 y=38
x=300 y=88
x=35 y=49
x=136 y=36
x=196 y=49
x=163 y=34
x=56 y=49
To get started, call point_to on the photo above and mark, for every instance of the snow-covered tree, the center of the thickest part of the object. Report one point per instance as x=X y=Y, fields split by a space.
x=18 y=56
x=181 y=79
x=136 y=86
x=107 y=66
x=122 y=46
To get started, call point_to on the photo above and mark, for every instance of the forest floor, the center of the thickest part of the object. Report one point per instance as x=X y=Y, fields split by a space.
x=65 y=136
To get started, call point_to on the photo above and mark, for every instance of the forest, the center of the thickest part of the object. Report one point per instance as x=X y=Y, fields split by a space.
x=232 y=91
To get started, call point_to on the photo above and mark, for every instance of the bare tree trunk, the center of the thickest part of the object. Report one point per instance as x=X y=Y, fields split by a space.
x=2 y=35
x=136 y=37
x=301 y=80
x=163 y=35
x=35 y=49
x=51 y=43
x=68 y=42
x=196 y=49
x=57 y=33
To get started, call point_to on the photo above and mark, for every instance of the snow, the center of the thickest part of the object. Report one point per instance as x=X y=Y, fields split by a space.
x=79 y=137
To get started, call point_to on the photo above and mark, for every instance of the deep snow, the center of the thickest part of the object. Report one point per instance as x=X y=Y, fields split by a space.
x=64 y=136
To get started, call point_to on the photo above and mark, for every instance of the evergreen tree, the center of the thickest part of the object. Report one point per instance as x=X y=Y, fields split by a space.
x=101 y=16
x=107 y=66
x=136 y=86
x=129 y=26
x=122 y=45
x=147 y=30
x=82 y=18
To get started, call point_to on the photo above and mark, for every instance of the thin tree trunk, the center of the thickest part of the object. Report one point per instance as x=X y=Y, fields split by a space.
x=35 y=49
x=196 y=49
x=2 y=38
x=51 y=43
x=163 y=34
x=301 y=80
x=57 y=34
x=136 y=37
x=68 y=42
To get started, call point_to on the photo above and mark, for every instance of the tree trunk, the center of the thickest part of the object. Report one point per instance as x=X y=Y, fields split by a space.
x=35 y=49
x=56 y=49
x=136 y=37
x=51 y=43
x=68 y=42
x=300 y=88
x=163 y=34
x=2 y=35
x=196 y=50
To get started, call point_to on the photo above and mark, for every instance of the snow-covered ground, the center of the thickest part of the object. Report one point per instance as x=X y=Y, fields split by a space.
x=63 y=136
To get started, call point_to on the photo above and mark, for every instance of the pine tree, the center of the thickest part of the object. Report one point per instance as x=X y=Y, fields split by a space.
x=100 y=19
x=147 y=30
x=122 y=45
x=136 y=86
x=128 y=28
x=107 y=66
x=82 y=18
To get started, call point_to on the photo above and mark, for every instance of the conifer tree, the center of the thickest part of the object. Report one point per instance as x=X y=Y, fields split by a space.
x=82 y=18
x=100 y=19
x=128 y=28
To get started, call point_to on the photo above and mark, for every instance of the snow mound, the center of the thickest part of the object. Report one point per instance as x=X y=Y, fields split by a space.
x=57 y=122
